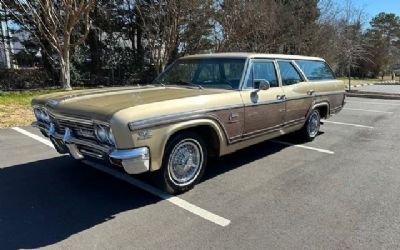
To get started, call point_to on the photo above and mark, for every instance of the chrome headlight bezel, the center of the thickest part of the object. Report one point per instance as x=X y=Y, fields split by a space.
x=42 y=115
x=104 y=134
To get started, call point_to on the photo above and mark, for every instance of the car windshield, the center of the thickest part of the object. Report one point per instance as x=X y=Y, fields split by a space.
x=219 y=73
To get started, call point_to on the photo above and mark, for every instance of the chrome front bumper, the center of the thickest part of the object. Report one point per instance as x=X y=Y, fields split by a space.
x=134 y=161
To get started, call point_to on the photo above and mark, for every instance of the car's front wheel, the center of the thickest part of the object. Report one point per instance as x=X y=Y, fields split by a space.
x=312 y=126
x=184 y=162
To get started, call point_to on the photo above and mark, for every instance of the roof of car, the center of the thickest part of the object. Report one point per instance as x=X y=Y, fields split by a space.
x=252 y=55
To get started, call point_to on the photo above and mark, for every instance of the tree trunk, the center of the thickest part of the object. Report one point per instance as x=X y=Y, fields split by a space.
x=65 y=75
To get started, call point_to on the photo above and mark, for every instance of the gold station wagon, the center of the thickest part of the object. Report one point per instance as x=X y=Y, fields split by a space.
x=200 y=106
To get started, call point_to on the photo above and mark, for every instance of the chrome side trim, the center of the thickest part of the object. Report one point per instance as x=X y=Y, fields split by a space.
x=268 y=130
x=289 y=123
x=184 y=116
x=328 y=93
x=265 y=103
x=299 y=97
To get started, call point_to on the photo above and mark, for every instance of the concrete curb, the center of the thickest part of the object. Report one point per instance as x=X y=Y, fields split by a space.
x=363 y=84
x=374 y=95
x=390 y=82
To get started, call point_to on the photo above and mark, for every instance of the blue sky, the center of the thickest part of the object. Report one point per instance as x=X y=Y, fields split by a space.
x=373 y=7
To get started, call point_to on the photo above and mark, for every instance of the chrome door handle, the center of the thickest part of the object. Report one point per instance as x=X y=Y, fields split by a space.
x=233 y=117
x=310 y=92
x=281 y=97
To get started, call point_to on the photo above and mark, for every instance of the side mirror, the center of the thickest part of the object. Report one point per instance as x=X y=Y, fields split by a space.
x=261 y=84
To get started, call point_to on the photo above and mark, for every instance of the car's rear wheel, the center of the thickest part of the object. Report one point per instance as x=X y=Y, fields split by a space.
x=184 y=162
x=312 y=126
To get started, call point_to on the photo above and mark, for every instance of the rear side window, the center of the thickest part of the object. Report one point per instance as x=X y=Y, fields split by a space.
x=316 y=70
x=289 y=74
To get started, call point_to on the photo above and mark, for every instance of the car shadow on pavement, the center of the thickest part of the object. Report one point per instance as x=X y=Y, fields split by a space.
x=245 y=156
x=240 y=158
x=47 y=201
x=44 y=202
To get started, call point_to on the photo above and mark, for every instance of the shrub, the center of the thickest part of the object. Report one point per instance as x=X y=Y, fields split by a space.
x=27 y=78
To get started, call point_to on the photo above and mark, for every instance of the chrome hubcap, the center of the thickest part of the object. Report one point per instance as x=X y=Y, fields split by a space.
x=185 y=162
x=313 y=124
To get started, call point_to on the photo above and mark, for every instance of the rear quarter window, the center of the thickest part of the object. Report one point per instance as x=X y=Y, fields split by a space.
x=316 y=70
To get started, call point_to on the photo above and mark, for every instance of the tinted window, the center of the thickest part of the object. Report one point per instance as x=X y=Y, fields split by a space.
x=209 y=73
x=316 y=70
x=263 y=71
x=289 y=74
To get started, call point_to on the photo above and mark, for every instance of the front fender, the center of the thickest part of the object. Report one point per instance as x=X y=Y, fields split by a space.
x=160 y=136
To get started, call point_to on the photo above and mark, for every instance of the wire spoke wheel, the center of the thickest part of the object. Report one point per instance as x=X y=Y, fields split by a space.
x=313 y=124
x=185 y=162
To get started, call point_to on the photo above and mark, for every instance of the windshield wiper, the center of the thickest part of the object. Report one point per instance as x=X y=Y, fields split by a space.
x=187 y=83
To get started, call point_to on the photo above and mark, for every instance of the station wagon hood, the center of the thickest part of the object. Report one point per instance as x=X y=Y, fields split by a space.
x=101 y=104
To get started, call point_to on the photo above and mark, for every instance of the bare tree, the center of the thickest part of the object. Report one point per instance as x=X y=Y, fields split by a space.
x=352 y=47
x=164 y=24
x=64 y=24
x=245 y=25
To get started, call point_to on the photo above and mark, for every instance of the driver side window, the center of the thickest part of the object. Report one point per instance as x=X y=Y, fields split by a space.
x=263 y=71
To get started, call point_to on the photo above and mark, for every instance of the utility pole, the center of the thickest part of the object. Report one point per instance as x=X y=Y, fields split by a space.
x=349 y=70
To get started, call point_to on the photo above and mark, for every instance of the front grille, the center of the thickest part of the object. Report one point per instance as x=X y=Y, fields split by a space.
x=79 y=130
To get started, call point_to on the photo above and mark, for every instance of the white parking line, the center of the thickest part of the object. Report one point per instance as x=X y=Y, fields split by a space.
x=33 y=136
x=305 y=147
x=144 y=186
x=173 y=199
x=348 y=124
x=366 y=110
x=377 y=103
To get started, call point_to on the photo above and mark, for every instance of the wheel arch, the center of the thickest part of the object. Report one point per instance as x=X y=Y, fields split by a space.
x=210 y=130
x=322 y=107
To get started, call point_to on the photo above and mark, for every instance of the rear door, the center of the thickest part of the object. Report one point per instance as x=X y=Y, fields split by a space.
x=298 y=92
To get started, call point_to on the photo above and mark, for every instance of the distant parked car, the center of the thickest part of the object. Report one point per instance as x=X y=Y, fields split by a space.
x=200 y=106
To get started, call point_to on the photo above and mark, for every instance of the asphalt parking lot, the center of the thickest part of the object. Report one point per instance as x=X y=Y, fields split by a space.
x=341 y=191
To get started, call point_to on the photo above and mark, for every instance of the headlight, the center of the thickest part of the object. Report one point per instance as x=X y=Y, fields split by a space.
x=42 y=115
x=104 y=134
x=110 y=137
x=38 y=113
x=46 y=117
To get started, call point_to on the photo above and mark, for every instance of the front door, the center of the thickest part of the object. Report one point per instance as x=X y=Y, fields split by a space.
x=264 y=109
x=298 y=93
